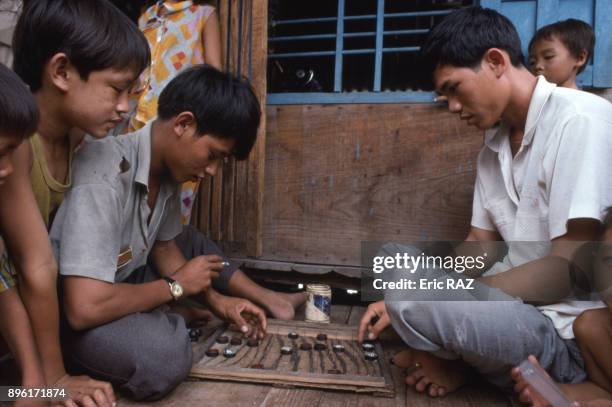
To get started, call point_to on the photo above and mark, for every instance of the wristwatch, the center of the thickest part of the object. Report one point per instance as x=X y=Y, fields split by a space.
x=175 y=288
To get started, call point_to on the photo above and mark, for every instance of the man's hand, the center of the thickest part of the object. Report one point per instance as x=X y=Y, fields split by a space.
x=250 y=318
x=85 y=391
x=375 y=320
x=195 y=275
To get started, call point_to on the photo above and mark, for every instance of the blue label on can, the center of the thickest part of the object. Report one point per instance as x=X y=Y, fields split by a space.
x=322 y=302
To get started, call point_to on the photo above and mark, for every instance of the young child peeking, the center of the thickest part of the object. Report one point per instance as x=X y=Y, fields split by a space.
x=560 y=51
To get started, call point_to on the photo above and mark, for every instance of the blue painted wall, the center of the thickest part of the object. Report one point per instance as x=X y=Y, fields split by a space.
x=529 y=15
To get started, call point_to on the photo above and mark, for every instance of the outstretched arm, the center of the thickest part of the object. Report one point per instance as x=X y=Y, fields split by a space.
x=28 y=242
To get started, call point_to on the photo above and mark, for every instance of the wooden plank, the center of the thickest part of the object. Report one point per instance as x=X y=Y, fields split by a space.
x=306 y=368
x=339 y=313
x=211 y=393
x=256 y=161
x=291 y=397
x=340 y=175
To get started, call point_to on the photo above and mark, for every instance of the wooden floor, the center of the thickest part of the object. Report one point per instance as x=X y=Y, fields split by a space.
x=226 y=394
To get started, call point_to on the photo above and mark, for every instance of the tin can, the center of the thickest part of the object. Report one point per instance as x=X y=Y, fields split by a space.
x=318 y=305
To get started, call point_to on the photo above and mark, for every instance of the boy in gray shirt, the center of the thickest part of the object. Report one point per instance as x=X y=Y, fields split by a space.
x=122 y=250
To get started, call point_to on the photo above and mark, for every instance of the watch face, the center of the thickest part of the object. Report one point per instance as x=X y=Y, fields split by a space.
x=177 y=290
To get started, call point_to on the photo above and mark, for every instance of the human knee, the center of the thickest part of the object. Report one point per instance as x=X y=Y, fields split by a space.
x=161 y=367
x=590 y=324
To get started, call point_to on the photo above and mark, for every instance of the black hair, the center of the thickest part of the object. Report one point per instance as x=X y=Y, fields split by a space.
x=463 y=37
x=224 y=106
x=93 y=34
x=576 y=35
x=18 y=111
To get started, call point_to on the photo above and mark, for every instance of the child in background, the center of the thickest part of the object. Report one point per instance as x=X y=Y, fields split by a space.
x=593 y=331
x=181 y=34
x=560 y=51
x=18 y=120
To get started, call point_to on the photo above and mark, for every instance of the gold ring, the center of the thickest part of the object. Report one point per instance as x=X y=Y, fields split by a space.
x=417 y=365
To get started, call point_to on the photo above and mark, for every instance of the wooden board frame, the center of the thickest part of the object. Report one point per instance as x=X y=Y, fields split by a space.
x=381 y=385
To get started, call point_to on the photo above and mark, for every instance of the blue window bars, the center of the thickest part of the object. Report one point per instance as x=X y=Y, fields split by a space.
x=376 y=95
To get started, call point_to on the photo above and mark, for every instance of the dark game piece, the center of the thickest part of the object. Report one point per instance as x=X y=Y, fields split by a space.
x=222 y=339
x=305 y=346
x=212 y=352
x=286 y=350
x=321 y=337
x=334 y=371
x=367 y=346
x=370 y=355
x=193 y=335
x=293 y=335
x=257 y=366
x=236 y=341
x=229 y=353
x=198 y=331
x=252 y=342
x=338 y=348
x=320 y=346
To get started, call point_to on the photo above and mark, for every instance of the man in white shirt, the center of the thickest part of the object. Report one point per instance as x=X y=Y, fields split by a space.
x=543 y=177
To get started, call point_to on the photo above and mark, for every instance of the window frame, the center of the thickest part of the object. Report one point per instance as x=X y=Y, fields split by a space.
x=337 y=96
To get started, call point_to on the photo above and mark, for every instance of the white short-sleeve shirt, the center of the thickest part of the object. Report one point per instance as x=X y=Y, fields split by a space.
x=562 y=171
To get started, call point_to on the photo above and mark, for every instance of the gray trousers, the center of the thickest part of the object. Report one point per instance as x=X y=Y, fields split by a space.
x=146 y=354
x=491 y=335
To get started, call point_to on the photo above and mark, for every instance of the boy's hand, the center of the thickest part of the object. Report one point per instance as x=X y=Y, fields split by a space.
x=195 y=275
x=375 y=320
x=247 y=316
x=85 y=391
x=527 y=394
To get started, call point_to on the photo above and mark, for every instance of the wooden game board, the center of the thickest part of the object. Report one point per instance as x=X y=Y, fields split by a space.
x=301 y=368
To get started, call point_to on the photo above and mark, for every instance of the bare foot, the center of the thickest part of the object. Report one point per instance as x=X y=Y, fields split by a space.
x=429 y=373
x=296 y=299
x=281 y=305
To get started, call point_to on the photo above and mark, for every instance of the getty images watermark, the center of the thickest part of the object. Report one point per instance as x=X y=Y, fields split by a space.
x=470 y=271
x=412 y=264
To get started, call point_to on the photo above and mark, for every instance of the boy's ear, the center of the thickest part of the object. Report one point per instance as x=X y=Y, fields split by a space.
x=59 y=71
x=497 y=60
x=184 y=124
x=582 y=59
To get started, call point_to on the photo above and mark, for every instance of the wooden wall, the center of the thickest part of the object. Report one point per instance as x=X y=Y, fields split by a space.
x=340 y=174
x=321 y=179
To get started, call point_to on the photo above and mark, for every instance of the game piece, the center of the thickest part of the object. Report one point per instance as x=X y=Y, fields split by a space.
x=229 y=353
x=193 y=335
x=370 y=355
x=367 y=346
x=338 y=348
x=543 y=385
x=252 y=342
x=236 y=341
x=222 y=339
x=225 y=263
x=335 y=361
x=212 y=352
x=198 y=331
